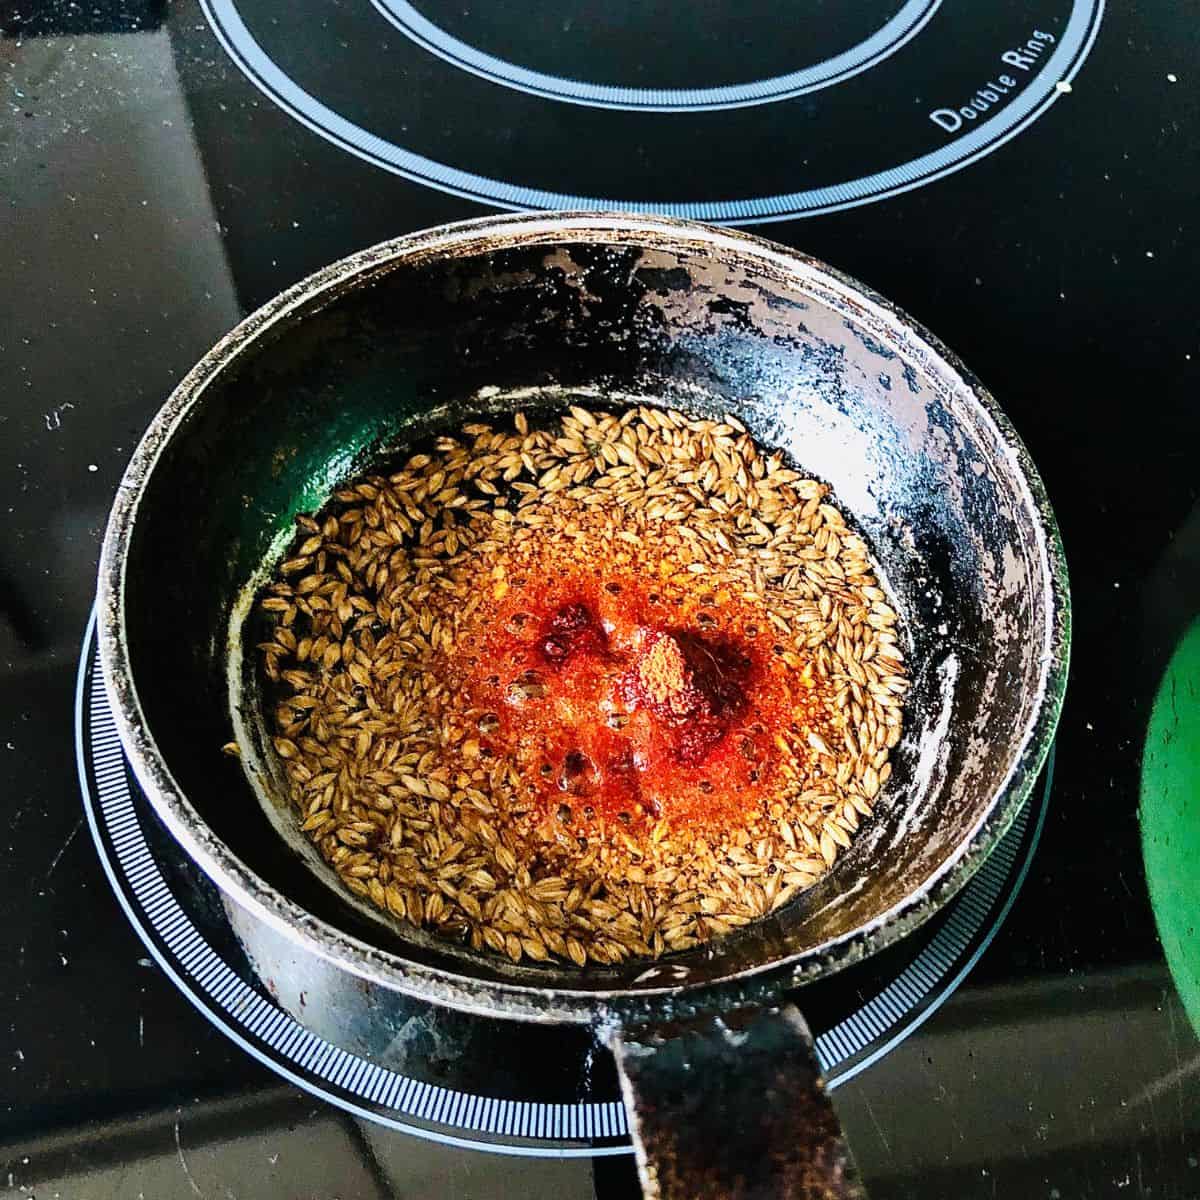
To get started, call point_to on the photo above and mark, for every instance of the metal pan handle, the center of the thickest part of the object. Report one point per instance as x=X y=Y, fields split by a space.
x=732 y=1107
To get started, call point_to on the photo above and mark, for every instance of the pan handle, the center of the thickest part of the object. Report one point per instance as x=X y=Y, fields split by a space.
x=732 y=1107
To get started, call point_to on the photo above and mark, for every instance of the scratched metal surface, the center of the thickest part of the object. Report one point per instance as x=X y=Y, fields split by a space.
x=338 y=372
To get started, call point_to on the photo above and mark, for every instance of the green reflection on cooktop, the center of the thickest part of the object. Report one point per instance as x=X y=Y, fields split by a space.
x=1170 y=817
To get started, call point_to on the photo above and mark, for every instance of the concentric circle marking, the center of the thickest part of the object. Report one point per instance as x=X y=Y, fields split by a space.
x=885 y=41
x=229 y=998
x=1035 y=89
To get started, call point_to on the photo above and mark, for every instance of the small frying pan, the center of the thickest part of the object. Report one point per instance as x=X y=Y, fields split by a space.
x=421 y=333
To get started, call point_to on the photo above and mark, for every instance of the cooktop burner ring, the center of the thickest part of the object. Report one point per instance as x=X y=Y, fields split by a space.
x=829 y=153
x=903 y=25
x=197 y=952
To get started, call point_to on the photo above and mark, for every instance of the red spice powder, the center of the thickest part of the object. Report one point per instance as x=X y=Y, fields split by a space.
x=623 y=700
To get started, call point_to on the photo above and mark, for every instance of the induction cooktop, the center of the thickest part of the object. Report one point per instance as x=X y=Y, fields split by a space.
x=807 y=110
x=1020 y=175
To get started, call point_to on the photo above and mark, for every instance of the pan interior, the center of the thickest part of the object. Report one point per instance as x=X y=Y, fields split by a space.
x=850 y=395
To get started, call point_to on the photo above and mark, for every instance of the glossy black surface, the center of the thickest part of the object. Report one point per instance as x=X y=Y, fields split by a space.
x=150 y=196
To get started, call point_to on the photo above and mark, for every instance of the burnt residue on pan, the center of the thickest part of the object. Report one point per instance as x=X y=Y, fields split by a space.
x=733 y=1107
x=422 y=332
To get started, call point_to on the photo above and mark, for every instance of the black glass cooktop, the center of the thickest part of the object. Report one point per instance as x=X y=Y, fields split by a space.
x=1021 y=175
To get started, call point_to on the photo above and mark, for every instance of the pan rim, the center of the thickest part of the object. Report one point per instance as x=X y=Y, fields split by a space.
x=554 y=1002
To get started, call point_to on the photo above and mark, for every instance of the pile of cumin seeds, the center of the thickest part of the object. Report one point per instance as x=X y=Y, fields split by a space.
x=396 y=579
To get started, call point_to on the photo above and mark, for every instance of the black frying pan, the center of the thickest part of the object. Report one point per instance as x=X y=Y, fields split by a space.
x=418 y=333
